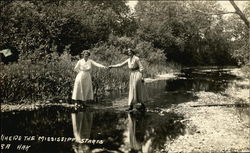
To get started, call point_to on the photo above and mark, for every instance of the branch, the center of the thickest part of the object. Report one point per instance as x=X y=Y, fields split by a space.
x=240 y=13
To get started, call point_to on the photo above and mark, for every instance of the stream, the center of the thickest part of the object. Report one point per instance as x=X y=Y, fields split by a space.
x=106 y=126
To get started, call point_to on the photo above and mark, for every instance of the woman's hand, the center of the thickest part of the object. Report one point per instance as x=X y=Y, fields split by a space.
x=142 y=80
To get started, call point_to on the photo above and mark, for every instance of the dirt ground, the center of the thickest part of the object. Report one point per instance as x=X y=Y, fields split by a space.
x=216 y=122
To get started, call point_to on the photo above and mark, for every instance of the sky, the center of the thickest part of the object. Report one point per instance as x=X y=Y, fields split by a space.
x=225 y=4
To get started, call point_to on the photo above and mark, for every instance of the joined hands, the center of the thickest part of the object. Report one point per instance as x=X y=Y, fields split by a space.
x=110 y=66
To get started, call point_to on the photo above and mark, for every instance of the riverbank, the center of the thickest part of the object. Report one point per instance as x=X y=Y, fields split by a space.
x=25 y=105
x=215 y=122
x=213 y=112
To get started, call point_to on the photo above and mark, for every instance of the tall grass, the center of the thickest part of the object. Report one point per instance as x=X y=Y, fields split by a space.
x=53 y=77
x=37 y=80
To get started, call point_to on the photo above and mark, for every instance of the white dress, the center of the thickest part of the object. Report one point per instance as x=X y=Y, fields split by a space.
x=83 y=89
x=136 y=87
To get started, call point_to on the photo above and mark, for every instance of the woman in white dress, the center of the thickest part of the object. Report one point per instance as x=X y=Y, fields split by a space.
x=83 y=90
x=136 y=92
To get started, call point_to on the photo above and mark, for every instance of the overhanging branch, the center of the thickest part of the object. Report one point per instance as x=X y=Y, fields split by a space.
x=240 y=13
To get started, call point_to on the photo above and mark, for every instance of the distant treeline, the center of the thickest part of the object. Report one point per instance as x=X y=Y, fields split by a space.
x=185 y=32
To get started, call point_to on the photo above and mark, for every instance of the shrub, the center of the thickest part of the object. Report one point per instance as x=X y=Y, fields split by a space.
x=37 y=80
x=39 y=76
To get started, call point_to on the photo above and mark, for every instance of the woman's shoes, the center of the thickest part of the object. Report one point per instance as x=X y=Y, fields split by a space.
x=77 y=105
x=137 y=107
x=130 y=108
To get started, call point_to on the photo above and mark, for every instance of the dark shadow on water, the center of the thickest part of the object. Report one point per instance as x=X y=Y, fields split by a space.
x=149 y=132
x=210 y=72
x=120 y=131
x=188 y=82
x=212 y=80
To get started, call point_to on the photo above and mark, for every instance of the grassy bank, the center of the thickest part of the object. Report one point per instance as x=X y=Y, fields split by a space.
x=32 y=80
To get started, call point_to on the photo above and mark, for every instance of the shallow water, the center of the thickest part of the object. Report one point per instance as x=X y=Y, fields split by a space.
x=106 y=127
x=117 y=130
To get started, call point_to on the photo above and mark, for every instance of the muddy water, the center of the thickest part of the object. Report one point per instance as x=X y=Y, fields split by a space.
x=106 y=127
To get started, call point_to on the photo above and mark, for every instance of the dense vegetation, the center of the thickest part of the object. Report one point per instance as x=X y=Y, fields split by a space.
x=49 y=35
x=194 y=33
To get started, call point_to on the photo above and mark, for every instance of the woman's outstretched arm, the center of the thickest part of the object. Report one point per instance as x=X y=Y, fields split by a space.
x=119 y=65
x=97 y=64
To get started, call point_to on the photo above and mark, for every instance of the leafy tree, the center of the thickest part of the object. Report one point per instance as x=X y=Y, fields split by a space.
x=49 y=26
x=187 y=34
x=240 y=27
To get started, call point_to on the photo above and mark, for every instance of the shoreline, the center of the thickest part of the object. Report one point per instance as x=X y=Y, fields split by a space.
x=212 y=129
x=32 y=106
x=215 y=122
x=212 y=125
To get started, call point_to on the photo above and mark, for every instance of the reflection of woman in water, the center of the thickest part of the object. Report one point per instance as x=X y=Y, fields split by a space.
x=136 y=79
x=82 y=124
x=83 y=90
x=137 y=135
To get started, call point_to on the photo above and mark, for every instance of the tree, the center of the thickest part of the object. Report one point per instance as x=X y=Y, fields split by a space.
x=186 y=35
x=240 y=13
x=50 y=26
x=242 y=53
x=240 y=33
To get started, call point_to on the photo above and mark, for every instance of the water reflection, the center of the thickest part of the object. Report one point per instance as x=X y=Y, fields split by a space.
x=136 y=135
x=122 y=132
x=82 y=125
x=148 y=132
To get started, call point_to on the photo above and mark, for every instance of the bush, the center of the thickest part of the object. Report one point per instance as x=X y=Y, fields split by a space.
x=39 y=76
x=37 y=80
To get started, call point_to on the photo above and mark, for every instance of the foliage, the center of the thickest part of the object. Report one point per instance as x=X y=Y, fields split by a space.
x=49 y=26
x=114 y=51
x=48 y=36
x=42 y=77
x=239 y=37
x=37 y=80
x=186 y=31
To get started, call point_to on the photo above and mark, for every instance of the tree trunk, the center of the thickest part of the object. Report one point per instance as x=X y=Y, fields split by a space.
x=240 y=13
x=244 y=18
